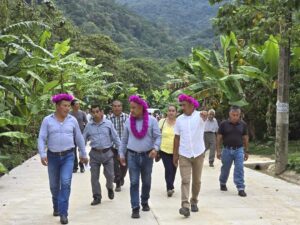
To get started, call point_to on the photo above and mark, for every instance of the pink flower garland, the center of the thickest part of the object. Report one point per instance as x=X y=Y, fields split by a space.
x=63 y=96
x=143 y=103
x=184 y=97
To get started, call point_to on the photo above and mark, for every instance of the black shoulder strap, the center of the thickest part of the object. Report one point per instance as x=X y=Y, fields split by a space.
x=163 y=125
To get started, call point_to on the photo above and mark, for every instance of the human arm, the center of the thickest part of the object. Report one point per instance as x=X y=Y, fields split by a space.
x=176 y=150
x=79 y=140
x=42 y=139
x=246 y=147
x=219 y=143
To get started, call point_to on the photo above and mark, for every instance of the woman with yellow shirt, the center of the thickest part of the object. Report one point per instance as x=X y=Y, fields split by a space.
x=167 y=130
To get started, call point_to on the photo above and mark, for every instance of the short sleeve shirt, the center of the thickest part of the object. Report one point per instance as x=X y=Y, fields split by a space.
x=233 y=133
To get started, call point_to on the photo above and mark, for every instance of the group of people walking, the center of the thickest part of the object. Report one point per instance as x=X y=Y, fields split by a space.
x=133 y=141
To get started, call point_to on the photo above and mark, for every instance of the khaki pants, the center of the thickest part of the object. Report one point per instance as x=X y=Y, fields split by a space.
x=190 y=167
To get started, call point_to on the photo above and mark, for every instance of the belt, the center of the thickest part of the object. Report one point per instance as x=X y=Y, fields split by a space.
x=233 y=147
x=139 y=153
x=209 y=132
x=101 y=150
x=62 y=153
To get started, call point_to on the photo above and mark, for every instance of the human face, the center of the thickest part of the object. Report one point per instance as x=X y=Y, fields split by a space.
x=235 y=116
x=187 y=108
x=211 y=116
x=117 y=108
x=136 y=110
x=97 y=114
x=171 y=114
x=76 y=106
x=63 y=108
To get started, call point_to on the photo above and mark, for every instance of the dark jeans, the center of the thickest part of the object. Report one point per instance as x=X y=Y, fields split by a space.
x=139 y=165
x=170 y=169
x=76 y=160
x=120 y=171
x=60 y=177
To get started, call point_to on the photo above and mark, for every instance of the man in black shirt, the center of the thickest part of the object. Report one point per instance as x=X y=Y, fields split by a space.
x=233 y=133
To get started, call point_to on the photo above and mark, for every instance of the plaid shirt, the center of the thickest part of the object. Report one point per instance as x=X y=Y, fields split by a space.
x=119 y=122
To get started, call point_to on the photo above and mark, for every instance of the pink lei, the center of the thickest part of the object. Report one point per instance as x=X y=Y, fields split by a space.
x=144 y=130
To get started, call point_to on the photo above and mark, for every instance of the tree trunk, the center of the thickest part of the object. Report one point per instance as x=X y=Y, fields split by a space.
x=282 y=115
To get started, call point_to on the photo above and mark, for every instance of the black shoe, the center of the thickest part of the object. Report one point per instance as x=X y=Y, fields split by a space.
x=82 y=170
x=64 y=220
x=55 y=213
x=194 y=208
x=122 y=182
x=96 y=201
x=75 y=170
x=118 y=189
x=146 y=207
x=184 y=211
x=111 y=194
x=223 y=187
x=242 y=193
x=170 y=193
x=135 y=213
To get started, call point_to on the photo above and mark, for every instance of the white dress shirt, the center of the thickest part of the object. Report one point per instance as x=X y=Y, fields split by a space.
x=211 y=126
x=191 y=132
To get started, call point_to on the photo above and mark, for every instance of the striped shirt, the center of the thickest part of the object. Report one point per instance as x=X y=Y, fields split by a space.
x=119 y=123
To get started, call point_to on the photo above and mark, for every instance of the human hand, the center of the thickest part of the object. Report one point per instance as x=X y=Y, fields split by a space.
x=84 y=160
x=219 y=155
x=246 y=156
x=122 y=161
x=203 y=115
x=175 y=160
x=44 y=161
x=153 y=154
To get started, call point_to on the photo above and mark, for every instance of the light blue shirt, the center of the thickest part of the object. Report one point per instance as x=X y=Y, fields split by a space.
x=101 y=135
x=151 y=141
x=60 y=136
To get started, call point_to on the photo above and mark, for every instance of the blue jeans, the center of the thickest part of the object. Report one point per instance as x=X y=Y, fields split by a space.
x=139 y=164
x=228 y=157
x=60 y=169
x=170 y=169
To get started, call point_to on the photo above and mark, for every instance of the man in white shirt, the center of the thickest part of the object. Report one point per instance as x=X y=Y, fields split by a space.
x=189 y=150
x=210 y=136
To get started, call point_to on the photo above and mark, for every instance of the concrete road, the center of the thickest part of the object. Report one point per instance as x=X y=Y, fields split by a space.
x=25 y=200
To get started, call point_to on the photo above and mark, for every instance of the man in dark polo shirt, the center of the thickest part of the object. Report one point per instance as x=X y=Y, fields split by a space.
x=233 y=134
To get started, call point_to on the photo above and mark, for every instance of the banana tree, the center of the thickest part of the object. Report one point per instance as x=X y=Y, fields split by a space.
x=261 y=63
x=213 y=75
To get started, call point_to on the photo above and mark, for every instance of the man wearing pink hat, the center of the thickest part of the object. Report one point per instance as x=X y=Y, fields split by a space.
x=57 y=134
x=189 y=150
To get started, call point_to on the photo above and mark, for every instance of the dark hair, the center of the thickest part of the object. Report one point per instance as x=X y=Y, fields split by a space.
x=97 y=106
x=171 y=105
x=116 y=100
x=235 y=108
x=73 y=102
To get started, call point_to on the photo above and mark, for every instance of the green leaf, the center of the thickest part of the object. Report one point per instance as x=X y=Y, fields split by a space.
x=14 y=134
x=271 y=55
x=12 y=120
x=35 y=76
x=61 y=48
x=45 y=37
x=51 y=85
x=2 y=169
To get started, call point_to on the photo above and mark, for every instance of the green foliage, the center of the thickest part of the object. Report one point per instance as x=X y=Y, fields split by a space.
x=189 y=22
x=136 y=36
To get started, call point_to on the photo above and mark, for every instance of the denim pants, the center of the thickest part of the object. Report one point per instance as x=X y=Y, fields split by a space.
x=170 y=169
x=228 y=157
x=60 y=169
x=139 y=165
